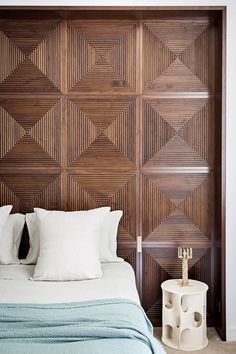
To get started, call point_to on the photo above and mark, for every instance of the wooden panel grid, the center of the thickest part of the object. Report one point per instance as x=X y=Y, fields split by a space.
x=177 y=152
x=118 y=111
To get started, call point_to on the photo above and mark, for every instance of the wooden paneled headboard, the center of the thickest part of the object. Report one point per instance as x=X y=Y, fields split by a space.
x=122 y=109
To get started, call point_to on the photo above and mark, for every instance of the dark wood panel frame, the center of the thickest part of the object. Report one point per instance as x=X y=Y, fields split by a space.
x=220 y=248
x=143 y=13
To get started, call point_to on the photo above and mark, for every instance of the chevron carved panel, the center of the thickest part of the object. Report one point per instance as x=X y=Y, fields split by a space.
x=101 y=60
x=101 y=131
x=177 y=132
x=25 y=192
x=177 y=208
x=92 y=190
x=174 y=55
x=160 y=264
x=31 y=59
x=30 y=132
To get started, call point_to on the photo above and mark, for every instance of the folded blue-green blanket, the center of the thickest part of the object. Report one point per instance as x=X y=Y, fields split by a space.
x=113 y=326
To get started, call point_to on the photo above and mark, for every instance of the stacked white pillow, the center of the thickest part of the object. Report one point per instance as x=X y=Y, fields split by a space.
x=107 y=240
x=4 y=212
x=69 y=244
x=11 y=237
x=11 y=228
x=63 y=245
x=108 y=237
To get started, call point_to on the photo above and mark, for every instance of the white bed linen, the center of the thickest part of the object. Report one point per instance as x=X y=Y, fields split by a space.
x=118 y=281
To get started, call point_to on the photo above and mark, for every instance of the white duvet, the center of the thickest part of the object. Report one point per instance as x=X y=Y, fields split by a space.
x=118 y=281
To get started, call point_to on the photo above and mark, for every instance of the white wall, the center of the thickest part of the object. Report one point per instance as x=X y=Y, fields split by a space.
x=230 y=129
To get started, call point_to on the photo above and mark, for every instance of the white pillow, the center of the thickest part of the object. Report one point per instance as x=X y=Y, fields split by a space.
x=107 y=245
x=10 y=240
x=69 y=244
x=108 y=239
x=4 y=212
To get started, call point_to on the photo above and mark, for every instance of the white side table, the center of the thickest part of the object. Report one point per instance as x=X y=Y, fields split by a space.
x=184 y=315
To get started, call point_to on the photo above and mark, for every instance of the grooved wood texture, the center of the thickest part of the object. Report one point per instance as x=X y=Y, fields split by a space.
x=178 y=134
x=32 y=56
x=30 y=132
x=99 y=59
x=171 y=207
x=184 y=131
x=121 y=112
x=100 y=130
x=25 y=191
x=176 y=55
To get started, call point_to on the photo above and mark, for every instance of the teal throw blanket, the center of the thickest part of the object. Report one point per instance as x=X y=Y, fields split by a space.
x=113 y=326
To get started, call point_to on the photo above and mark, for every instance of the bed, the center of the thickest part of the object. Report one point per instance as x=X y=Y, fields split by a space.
x=98 y=316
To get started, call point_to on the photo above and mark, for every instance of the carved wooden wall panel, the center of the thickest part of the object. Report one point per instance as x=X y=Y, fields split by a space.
x=121 y=112
x=178 y=159
x=171 y=208
x=25 y=191
x=30 y=132
x=176 y=55
x=101 y=60
x=32 y=56
x=184 y=131
x=101 y=130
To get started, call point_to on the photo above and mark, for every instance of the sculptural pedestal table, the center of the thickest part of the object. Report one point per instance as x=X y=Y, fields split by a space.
x=184 y=315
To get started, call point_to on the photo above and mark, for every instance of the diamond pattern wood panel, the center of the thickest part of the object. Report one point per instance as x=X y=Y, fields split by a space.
x=119 y=112
x=92 y=190
x=184 y=131
x=178 y=135
x=101 y=131
x=175 y=56
x=171 y=211
x=26 y=191
x=101 y=60
x=32 y=56
x=30 y=132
